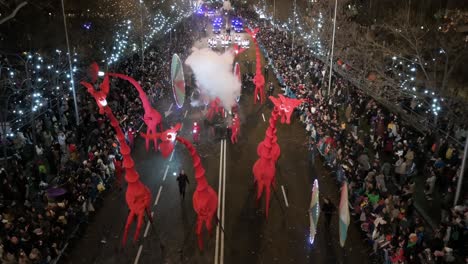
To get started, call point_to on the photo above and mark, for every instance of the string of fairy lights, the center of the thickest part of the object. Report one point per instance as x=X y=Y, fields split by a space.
x=311 y=36
x=160 y=24
x=404 y=69
x=422 y=98
x=37 y=83
x=121 y=42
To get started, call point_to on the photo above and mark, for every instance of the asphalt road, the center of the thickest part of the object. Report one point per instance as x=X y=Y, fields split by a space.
x=246 y=235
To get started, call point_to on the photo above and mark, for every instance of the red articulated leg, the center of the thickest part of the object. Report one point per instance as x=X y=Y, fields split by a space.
x=147 y=139
x=267 y=201
x=127 y=226
x=199 y=233
x=138 y=227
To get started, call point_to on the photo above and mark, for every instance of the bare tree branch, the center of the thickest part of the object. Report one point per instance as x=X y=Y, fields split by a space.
x=13 y=14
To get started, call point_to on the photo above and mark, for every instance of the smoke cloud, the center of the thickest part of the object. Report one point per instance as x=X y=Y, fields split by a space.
x=214 y=74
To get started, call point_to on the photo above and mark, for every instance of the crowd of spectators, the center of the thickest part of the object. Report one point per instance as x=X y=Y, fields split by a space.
x=379 y=157
x=44 y=197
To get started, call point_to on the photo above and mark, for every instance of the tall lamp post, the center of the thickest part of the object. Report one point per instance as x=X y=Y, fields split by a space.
x=142 y=33
x=462 y=173
x=332 y=48
x=77 y=114
x=294 y=29
x=274 y=10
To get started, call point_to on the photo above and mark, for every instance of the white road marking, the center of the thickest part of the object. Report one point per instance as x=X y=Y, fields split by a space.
x=138 y=254
x=284 y=195
x=258 y=97
x=152 y=213
x=141 y=126
x=147 y=229
x=172 y=155
x=165 y=173
x=219 y=249
x=216 y=259
x=168 y=112
x=264 y=120
x=157 y=196
x=224 y=208
x=185 y=115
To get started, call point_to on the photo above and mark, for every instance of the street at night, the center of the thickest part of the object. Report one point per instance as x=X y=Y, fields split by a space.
x=269 y=131
x=248 y=235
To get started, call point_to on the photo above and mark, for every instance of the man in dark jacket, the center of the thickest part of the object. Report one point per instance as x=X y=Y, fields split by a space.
x=183 y=181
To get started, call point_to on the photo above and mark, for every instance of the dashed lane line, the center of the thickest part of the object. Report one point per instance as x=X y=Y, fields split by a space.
x=165 y=173
x=157 y=196
x=284 y=195
x=138 y=254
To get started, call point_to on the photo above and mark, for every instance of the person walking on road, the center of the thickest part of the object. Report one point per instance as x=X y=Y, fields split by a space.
x=183 y=181
x=328 y=208
x=271 y=89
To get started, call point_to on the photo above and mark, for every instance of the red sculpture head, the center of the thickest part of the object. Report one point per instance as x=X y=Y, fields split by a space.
x=285 y=107
x=253 y=33
x=99 y=95
x=168 y=137
x=259 y=80
x=238 y=49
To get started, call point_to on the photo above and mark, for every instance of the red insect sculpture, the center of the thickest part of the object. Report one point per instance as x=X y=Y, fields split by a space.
x=235 y=129
x=205 y=199
x=101 y=95
x=152 y=117
x=215 y=108
x=196 y=132
x=268 y=150
x=137 y=196
x=237 y=49
x=259 y=79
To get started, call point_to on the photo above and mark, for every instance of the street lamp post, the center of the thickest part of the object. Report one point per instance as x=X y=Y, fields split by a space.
x=294 y=29
x=274 y=10
x=77 y=114
x=142 y=33
x=332 y=48
x=462 y=173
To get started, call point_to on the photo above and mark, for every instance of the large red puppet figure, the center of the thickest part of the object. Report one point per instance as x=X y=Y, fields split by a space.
x=237 y=49
x=152 y=117
x=205 y=199
x=235 y=128
x=259 y=79
x=215 y=108
x=138 y=196
x=268 y=150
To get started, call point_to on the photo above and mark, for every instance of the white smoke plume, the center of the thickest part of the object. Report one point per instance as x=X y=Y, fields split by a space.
x=214 y=74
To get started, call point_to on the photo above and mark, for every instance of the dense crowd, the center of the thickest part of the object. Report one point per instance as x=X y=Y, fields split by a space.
x=44 y=198
x=379 y=157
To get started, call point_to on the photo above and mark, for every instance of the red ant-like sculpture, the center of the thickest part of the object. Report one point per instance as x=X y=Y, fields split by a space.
x=259 y=79
x=137 y=196
x=268 y=150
